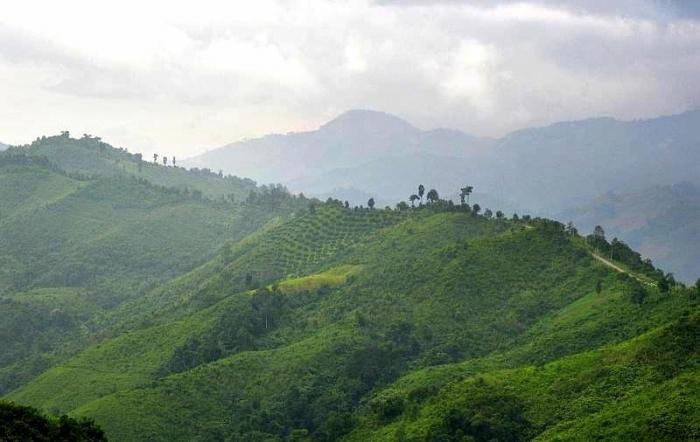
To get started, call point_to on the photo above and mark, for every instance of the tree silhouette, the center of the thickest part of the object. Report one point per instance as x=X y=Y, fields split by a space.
x=421 y=191
x=139 y=160
x=488 y=213
x=598 y=237
x=155 y=158
x=174 y=163
x=370 y=203
x=165 y=161
x=666 y=282
x=413 y=198
x=499 y=214
x=465 y=192
x=476 y=209
x=432 y=195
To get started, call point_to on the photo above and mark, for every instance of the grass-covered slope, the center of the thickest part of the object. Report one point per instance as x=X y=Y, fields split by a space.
x=365 y=324
x=90 y=156
x=119 y=233
x=74 y=247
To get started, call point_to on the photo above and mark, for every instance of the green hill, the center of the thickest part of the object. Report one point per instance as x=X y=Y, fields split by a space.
x=90 y=156
x=359 y=324
x=75 y=247
x=164 y=314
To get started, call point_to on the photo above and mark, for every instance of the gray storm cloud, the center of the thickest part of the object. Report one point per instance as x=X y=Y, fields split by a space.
x=191 y=78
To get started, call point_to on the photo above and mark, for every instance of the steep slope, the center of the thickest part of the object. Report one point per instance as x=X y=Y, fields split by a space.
x=662 y=222
x=340 y=304
x=646 y=388
x=73 y=248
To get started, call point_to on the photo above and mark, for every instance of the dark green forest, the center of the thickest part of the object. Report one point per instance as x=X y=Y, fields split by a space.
x=153 y=302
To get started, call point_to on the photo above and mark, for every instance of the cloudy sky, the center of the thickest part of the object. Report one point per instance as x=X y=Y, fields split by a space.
x=169 y=77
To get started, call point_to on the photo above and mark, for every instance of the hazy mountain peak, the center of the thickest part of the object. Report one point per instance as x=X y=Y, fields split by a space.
x=369 y=121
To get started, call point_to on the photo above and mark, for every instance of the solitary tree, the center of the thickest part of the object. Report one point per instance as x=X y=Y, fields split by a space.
x=488 y=213
x=421 y=191
x=370 y=203
x=666 y=282
x=613 y=243
x=347 y=204
x=155 y=158
x=165 y=161
x=476 y=209
x=139 y=160
x=499 y=214
x=465 y=192
x=174 y=163
x=432 y=196
x=413 y=198
x=598 y=237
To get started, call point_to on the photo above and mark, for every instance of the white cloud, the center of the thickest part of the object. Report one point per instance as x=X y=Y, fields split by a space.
x=182 y=77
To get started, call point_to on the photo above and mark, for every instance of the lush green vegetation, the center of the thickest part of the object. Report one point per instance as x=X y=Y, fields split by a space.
x=74 y=247
x=19 y=423
x=165 y=315
x=90 y=156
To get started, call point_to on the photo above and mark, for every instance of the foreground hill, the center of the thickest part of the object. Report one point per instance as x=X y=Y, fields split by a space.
x=425 y=324
x=19 y=423
x=662 y=222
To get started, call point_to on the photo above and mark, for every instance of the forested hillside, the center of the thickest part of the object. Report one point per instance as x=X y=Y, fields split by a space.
x=74 y=247
x=165 y=315
x=18 y=423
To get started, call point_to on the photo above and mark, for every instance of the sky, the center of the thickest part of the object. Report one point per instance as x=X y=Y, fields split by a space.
x=180 y=78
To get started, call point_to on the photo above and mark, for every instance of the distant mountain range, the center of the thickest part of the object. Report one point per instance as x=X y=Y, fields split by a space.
x=662 y=222
x=3 y=146
x=541 y=170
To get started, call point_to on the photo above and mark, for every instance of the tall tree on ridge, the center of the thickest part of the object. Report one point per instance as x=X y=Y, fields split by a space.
x=421 y=191
x=432 y=195
x=413 y=198
x=465 y=192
